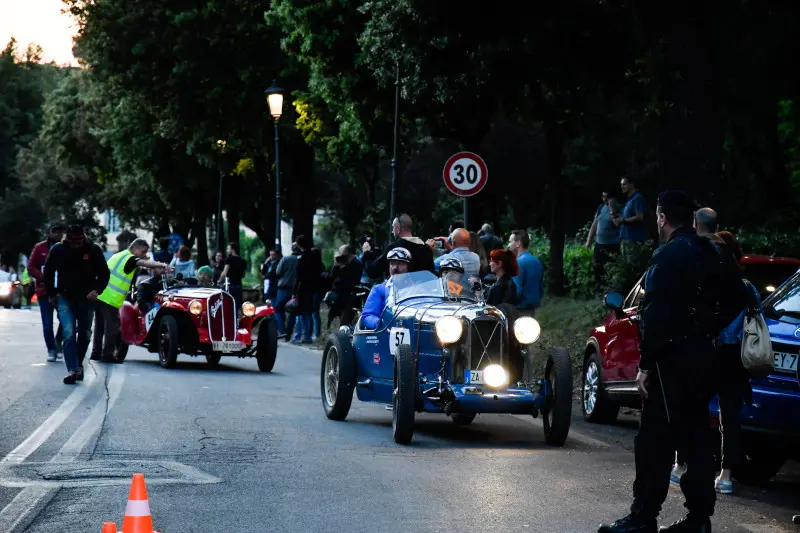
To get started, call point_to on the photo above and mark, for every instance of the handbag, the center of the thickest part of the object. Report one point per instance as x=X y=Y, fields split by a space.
x=293 y=305
x=757 y=355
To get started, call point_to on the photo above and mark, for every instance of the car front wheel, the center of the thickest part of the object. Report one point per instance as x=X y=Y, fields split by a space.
x=404 y=395
x=596 y=407
x=557 y=412
x=267 y=345
x=168 y=342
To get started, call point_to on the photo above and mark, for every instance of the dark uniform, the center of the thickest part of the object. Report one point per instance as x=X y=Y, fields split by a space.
x=684 y=307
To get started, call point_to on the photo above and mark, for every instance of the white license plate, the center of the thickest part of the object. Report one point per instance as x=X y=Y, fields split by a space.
x=227 y=346
x=786 y=361
x=473 y=377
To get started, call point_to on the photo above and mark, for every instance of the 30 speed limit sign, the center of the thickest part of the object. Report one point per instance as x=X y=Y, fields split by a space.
x=465 y=174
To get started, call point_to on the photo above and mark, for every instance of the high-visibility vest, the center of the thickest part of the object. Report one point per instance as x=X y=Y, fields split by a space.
x=119 y=283
x=25 y=277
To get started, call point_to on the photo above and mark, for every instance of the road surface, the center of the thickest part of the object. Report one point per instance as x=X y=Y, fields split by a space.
x=234 y=449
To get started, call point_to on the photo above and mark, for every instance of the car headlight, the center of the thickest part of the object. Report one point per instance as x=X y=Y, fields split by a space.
x=248 y=309
x=196 y=307
x=527 y=330
x=449 y=329
x=495 y=376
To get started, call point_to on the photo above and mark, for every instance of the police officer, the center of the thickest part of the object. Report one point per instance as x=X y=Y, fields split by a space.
x=683 y=309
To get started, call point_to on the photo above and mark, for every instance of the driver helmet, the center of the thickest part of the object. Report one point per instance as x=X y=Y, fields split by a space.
x=451 y=264
x=399 y=254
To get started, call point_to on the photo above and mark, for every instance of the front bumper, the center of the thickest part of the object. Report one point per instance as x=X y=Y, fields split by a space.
x=460 y=398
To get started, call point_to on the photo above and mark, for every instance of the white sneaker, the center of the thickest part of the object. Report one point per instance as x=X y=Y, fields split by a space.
x=723 y=486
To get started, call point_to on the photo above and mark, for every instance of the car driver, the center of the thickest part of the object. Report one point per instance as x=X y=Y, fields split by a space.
x=399 y=263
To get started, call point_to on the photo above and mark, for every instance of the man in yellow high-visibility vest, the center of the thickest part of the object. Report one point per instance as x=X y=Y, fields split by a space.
x=122 y=267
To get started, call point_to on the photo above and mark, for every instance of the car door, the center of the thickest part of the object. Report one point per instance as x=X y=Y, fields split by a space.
x=621 y=360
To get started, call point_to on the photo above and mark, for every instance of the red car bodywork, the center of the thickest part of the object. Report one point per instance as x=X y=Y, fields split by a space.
x=614 y=346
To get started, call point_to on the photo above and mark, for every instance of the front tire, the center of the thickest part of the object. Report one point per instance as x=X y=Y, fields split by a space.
x=121 y=351
x=168 y=342
x=557 y=413
x=404 y=395
x=596 y=406
x=267 y=347
x=759 y=463
x=337 y=376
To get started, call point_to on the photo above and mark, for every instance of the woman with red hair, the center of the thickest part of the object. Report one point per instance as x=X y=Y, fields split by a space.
x=503 y=264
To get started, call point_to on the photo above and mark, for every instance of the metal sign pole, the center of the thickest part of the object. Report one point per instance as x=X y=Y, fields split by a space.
x=466 y=213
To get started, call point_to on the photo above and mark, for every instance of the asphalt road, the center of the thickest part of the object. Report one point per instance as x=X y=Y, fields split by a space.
x=235 y=450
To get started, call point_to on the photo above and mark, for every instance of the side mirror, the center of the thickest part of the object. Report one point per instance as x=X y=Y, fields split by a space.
x=614 y=300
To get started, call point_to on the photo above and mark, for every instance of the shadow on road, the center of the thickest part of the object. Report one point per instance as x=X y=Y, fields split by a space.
x=199 y=364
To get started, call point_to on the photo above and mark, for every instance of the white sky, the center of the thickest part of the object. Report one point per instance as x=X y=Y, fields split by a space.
x=41 y=22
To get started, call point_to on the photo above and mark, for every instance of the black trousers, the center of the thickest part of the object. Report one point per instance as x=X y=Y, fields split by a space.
x=601 y=255
x=106 y=331
x=686 y=428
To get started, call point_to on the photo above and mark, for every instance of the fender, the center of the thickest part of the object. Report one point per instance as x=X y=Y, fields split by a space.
x=133 y=326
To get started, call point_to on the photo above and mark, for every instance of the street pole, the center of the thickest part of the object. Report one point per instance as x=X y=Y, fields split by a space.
x=219 y=214
x=277 y=192
x=394 y=154
x=466 y=213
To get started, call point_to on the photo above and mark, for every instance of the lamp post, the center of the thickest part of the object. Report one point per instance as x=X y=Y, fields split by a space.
x=394 y=153
x=275 y=101
x=221 y=147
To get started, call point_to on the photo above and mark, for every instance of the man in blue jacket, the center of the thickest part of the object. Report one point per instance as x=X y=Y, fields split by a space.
x=399 y=263
x=531 y=274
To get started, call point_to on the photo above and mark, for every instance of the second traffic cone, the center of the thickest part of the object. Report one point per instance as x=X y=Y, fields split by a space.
x=109 y=527
x=137 y=513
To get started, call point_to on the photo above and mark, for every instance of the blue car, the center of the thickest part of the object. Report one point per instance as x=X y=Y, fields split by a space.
x=771 y=425
x=438 y=348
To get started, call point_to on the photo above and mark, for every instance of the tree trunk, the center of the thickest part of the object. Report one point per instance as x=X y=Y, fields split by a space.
x=199 y=232
x=232 y=196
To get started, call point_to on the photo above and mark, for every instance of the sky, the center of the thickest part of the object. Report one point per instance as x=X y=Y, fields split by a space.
x=41 y=22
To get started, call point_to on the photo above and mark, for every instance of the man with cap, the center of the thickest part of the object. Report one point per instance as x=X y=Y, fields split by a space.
x=689 y=285
x=399 y=263
x=35 y=266
x=75 y=274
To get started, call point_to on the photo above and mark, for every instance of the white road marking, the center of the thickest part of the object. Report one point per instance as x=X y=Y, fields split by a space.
x=43 y=432
x=19 y=514
x=39 y=364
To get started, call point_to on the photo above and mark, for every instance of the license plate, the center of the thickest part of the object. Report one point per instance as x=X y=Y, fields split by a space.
x=473 y=377
x=786 y=362
x=227 y=346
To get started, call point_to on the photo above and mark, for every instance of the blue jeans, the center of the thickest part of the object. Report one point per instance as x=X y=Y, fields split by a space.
x=76 y=319
x=317 y=321
x=284 y=295
x=46 y=310
x=303 y=327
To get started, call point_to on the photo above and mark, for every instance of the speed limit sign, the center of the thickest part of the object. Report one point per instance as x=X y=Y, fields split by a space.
x=465 y=174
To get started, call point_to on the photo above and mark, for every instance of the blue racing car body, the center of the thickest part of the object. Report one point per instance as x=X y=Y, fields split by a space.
x=439 y=348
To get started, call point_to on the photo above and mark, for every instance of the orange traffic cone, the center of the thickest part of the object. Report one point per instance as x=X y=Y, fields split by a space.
x=137 y=513
x=109 y=527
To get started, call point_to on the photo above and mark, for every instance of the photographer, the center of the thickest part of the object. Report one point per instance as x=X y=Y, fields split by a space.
x=369 y=253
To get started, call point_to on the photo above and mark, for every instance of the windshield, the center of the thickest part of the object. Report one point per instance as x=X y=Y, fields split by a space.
x=786 y=300
x=424 y=284
x=767 y=276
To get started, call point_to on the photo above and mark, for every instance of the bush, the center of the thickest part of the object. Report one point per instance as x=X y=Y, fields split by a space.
x=578 y=271
x=625 y=270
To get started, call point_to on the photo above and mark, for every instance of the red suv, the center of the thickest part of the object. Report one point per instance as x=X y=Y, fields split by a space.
x=611 y=358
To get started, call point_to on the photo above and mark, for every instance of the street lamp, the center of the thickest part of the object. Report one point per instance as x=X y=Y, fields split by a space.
x=275 y=101
x=221 y=147
x=394 y=153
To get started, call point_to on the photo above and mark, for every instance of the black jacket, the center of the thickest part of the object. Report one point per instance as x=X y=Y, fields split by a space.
x=309 y=277
x=421 y=253
x=504 y=291
x=80 y=271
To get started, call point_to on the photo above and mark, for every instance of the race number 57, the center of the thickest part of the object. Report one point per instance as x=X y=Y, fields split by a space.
x=398 y=336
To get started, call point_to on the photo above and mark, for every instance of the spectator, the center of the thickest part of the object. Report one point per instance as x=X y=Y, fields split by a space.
x=368 y=255
x=35 y=268
x=235 y=270
x=530 y=280
x=287 y=277
x=503 y=264
x=489 y=240
x=461 y=250
x=475 y=245
x=218 y=265
x=163 y=255
x=269 y=270
x=316 y=300
x=344 y=275
x=82 y=274
x=633 y=232
x=421 y=255
x=183 y=262
x=307 y=284
x=606 y=237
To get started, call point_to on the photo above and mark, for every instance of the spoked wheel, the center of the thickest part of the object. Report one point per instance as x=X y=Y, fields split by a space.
x=557 y=410
x=404 y=395
x=168 y=342
x=337 y=376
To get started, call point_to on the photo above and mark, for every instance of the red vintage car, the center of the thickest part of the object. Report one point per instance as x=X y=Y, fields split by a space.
x=192 y=320
x=611 y=356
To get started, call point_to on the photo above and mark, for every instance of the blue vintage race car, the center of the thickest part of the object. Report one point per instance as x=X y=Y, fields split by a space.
x=439 y=348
